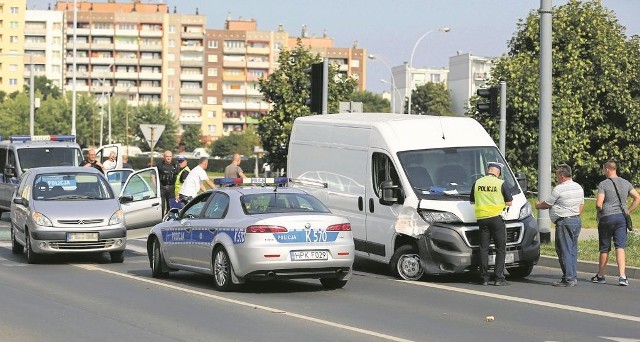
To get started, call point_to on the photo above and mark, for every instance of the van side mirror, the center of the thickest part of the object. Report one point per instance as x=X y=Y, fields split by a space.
x=522 y=180
x=10 y=171
x=390 y=193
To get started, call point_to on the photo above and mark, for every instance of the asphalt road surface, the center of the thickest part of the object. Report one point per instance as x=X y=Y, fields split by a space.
x=81 y=298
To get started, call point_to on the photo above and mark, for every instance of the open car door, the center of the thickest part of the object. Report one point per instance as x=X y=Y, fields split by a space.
x=140 y=198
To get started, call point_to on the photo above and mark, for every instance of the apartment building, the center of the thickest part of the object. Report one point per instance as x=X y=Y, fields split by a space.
x=408 y=79
x=467 y=74
x=12 y=58
x=43 y=39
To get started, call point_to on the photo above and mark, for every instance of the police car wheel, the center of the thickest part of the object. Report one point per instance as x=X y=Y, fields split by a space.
x=405 y=263
x=32 y=257
x=157 y=261
x=222 y=270
x=16 y=247
x=332 y=283
x=117 y=257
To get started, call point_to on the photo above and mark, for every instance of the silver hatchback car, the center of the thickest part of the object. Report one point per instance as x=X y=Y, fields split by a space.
x=259 y=233
x=71 y=209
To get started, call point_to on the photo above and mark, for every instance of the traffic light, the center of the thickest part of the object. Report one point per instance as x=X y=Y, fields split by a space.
x=491 y=106
x=315 y=98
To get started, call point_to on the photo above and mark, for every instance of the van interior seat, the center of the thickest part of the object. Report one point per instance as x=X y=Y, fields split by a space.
x=451 y=174
x=419 y=177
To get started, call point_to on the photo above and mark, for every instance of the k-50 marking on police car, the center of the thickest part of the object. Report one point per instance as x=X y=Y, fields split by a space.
x=250 y=232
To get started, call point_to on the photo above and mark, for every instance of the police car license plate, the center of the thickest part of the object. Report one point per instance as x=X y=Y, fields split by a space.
x=309 y=255
x=76 y=237
x=508 y=259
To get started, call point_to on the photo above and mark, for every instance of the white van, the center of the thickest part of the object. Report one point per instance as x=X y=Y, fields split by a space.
x=404 y=182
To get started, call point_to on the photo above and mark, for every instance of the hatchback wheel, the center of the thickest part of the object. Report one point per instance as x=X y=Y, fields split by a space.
x=117 y=257
x=32 y=257
x=222 y=270
x=16 y=247
x=157 y=261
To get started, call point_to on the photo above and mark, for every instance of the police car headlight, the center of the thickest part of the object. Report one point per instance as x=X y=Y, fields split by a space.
x=41 y=220
x=431 y=216
x=525 y=211
x=116 y=218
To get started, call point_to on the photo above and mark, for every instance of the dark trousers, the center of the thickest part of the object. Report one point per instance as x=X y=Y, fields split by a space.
x=495 y=228
x=166 y=193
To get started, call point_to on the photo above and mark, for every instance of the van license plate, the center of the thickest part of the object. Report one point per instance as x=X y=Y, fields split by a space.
x=309 y=255
x=77 y=237
x=508 y=259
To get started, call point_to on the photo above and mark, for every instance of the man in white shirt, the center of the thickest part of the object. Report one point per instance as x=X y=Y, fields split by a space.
x=110 y=163
x=193 y=183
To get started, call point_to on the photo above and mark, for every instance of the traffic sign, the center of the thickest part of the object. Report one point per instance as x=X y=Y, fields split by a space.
x=152 y=133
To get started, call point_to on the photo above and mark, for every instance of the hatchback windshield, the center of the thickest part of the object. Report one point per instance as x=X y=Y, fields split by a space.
x=281 y=203
x=451 y=171
x=48 y=156
x=70 y=186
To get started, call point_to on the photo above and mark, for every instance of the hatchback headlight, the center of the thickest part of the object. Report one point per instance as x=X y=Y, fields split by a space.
x=525 y=211
x=41 y=220
x=116 y=218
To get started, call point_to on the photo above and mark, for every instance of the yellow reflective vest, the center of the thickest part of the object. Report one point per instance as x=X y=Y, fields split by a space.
x=488 y=198
x=178 y=183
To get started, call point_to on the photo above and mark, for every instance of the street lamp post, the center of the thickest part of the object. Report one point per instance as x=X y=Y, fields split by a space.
x=394 y=93
x=73 y=87
x=410 y=76
x=393 y=81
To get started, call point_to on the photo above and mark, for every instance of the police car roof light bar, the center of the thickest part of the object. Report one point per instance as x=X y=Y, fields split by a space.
x=27 y=138
x=250 y=181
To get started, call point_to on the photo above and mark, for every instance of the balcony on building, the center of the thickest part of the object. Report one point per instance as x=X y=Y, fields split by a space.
x=234 y=63
x=231 y=90
x=191 y=61
x=102 y=60
x=36 y=28
x=258 y=64
x=107 y=32
x=128 y=32
x=233 y=117
x=259 y=50
x=98 y=88
x=151 y=30
x=479 y=75
x=150 y=75
x=150 y=89
x=82 y=30
x=125 y=88
x=190 y=105
x=234 y=50
x=191 y=77
x=226 y=76
x=127 y=47
x=150 y=61
x=125 y=75
x=233 y=106
x=190 y=91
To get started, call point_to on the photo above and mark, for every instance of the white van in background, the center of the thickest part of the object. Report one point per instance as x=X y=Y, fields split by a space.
x=403 y=181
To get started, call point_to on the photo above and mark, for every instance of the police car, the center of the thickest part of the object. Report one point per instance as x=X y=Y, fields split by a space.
x=258 y=230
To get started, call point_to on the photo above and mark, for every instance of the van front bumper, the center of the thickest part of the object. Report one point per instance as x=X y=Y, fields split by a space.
x=454 y=249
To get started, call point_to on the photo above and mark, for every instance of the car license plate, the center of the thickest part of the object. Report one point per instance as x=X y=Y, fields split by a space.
x=309 y=255
x=508 y=259
x=79 y=237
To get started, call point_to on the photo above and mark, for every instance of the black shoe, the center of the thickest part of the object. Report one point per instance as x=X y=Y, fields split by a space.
x=501 y=283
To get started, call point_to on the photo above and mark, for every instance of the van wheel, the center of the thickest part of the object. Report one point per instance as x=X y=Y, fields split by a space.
x=16 y=247
x=157 y=261
x=32 y=257
x=117 y=257
x=405 y=263
x=520 y=271
x=222 y=270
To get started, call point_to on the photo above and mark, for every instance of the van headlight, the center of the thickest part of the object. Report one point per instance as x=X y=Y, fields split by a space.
x=41 y=220
x=432 y=216
x=116 y=218
x=525 y=211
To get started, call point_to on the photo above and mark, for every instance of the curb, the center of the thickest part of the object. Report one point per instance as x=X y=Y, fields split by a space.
x=590 y=267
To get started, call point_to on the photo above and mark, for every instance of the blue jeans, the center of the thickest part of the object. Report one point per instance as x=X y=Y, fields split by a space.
x=567 y=231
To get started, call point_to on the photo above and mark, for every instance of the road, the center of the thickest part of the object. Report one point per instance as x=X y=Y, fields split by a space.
x=80 y=298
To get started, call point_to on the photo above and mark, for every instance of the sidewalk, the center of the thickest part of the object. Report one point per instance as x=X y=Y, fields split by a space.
x=589 y=266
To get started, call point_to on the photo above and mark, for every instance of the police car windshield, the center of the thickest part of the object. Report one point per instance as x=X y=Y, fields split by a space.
x=274 y=202
x=451 y=171
x=48 y=156
x=70 y=186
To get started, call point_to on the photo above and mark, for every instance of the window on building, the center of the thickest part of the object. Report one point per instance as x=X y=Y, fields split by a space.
x=213 y=44
x=211 y=128
x=170 y=84
x=13 y=81
x=170 y=99
x=355 y=63
x=435 y=78
x=14 y=10
x=14 y=25
x=171 y=71
x=171 y=57
x=212 y=100
x=211 y=114
x=212 y=58
x=13 y=39
x=172 y=28
x=212 y=72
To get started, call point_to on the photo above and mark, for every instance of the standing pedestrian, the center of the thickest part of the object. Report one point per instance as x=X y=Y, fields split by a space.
x=566 y=203
x=92 y=161
x=125 y=162
x=111 y=162
x=167 y=171
x=266 y=168
x=194 y=180
x=490 y=197
x=610 y=201
x=233 y=170
x=181 y=176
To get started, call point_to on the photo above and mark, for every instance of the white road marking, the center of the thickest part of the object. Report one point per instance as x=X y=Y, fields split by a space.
x=246 y=304
x=525 y=301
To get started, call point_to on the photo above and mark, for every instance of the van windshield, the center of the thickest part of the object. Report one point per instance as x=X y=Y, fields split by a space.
x=451 y=171
x=48 y=156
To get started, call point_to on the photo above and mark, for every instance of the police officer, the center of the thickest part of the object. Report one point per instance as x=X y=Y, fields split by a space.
x=168 y=171
x=491 y=196
x=181 y=176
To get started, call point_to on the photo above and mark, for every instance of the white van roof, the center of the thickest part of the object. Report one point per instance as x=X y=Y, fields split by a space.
x=409 y=132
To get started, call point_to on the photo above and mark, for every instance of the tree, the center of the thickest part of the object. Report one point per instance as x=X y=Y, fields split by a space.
x=371 y=103
x=158 y=115
x=596 y=94
x=44 y=87
x=191 y=137
x=287 y=89
x=241 y=143
x=431 y=99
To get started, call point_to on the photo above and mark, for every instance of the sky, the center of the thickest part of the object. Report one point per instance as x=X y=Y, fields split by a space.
x=389 y=29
